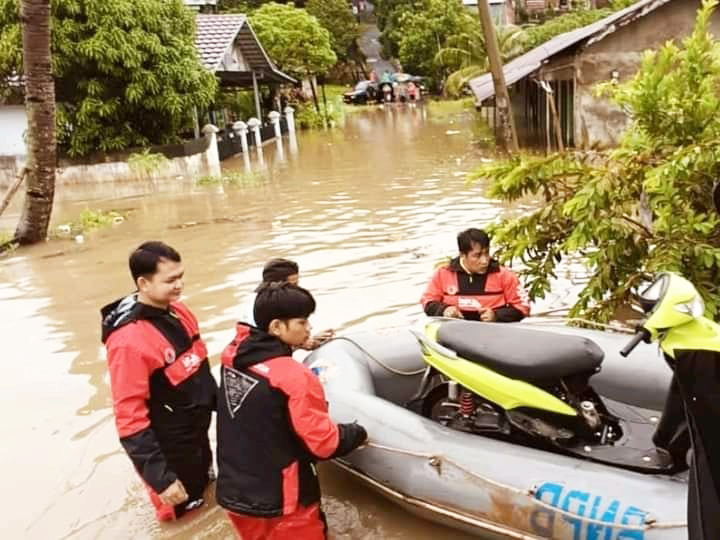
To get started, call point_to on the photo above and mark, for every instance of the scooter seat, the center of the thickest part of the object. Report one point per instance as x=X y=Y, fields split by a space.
x=521 y=353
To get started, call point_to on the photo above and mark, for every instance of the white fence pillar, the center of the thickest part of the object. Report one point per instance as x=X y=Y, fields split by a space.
x=240 y=128
x=254 y=125
x=212 y=155
x=290 y=118
x=274 y=118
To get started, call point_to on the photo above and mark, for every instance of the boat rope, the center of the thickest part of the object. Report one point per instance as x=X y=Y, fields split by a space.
x=436 y=460
x=380 y=362
x=551 y=321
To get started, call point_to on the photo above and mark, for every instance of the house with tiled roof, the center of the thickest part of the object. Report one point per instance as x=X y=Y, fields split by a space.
x=228 y=46
x=566 y=69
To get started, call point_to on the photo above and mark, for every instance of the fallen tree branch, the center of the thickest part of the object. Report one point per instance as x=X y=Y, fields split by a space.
x=13 y=188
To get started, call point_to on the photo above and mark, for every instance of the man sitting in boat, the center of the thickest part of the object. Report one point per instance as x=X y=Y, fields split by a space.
x=475 y=286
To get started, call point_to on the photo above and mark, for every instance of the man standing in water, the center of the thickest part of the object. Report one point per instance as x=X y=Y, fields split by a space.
x=163 y=391
x=474 y=286
x=273 y=424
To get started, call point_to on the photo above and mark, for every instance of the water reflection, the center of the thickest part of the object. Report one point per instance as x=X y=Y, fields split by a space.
x=366 y=211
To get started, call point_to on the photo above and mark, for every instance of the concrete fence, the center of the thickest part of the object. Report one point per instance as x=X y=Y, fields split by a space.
x=193 y=158
x=239 y=137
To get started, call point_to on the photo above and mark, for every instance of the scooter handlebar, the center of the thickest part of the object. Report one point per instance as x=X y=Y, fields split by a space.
x=641 y=335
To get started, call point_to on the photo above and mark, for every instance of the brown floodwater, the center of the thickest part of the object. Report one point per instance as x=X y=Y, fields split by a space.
x=366 y=210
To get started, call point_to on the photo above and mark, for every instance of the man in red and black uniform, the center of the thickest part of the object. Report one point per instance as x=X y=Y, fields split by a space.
x=273 y=424
x=163 y=391
x=474 y=286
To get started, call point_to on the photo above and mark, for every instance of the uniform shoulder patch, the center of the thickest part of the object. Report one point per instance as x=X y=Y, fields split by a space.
x=237 y=387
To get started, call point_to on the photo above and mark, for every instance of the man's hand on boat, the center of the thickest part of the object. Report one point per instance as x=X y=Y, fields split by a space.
x=313 y=342
x=452 y=311
x=487 y=315
x=174 y=494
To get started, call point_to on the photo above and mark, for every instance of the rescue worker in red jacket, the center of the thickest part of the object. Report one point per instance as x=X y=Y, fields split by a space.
x=162 y=389
x=273 y=424
x=474 y=286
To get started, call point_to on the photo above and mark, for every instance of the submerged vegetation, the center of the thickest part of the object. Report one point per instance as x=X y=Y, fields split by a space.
x=233 y=178
x=146 y=163
x=641 y=208
x=90 y=220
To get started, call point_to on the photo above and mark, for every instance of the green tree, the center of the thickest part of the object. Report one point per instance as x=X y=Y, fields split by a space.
x=466 y=55
x=295 y=40
x=336 y=17
x=389 y=14
x=126 y=71
x=643 y=207
x=426 y=32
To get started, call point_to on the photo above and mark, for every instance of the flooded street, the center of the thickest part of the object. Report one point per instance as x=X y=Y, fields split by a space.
x=366 y=210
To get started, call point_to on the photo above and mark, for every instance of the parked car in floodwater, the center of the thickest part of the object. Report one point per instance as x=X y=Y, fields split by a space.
x=364 y=92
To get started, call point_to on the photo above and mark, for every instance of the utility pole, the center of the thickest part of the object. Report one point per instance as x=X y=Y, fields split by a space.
x=502 y=100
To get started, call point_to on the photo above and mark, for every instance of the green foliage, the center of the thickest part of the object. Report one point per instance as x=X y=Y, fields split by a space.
x=233 y=178
x=466 y=54
x=240 y=102
x=425 y=32
x=126 y=71
x=642 y=208
x=146 y=163
x=295 y=40
x=389 y=14
x=537 y=35
x=307 y=117
x=446 y=108
x=7 y=246
x=338 y=19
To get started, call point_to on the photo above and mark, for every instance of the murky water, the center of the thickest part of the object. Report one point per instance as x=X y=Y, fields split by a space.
x=366 y=211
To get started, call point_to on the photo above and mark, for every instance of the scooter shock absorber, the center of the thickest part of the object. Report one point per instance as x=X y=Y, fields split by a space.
x=467 y=403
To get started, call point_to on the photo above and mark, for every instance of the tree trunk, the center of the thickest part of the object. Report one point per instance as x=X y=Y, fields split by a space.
x=40 y=108
x=314 y=93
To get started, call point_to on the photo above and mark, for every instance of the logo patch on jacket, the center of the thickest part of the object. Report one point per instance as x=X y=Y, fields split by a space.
x=452 y=290
x=237 y=387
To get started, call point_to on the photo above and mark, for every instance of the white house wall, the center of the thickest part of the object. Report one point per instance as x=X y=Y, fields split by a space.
x=234 y=61
x=13 y=125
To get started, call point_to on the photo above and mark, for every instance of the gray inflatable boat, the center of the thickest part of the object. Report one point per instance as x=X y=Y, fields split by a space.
x=491 y=487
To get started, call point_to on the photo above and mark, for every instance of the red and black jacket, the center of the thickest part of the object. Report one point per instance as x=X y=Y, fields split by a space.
x=163 y=392
x=272 y=425
x=498 y=289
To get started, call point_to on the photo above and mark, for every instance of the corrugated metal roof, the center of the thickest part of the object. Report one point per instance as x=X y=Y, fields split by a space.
x=215 y=34
x=531 y=61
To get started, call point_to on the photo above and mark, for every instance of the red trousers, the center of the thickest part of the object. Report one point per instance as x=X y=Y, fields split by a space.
x=305 y=523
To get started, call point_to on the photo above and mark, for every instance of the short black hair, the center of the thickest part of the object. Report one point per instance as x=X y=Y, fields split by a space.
x=144 y=260
x=282 y=301
x=471 y=236
x=279 y=270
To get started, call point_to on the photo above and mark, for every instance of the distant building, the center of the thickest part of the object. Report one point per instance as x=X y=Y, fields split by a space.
x=571 y=64
x=205 y=6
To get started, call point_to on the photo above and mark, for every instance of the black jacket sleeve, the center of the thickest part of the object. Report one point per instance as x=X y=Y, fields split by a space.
x=508 y=314
x=351 y=436
x=435 y=309
x=148 y=459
